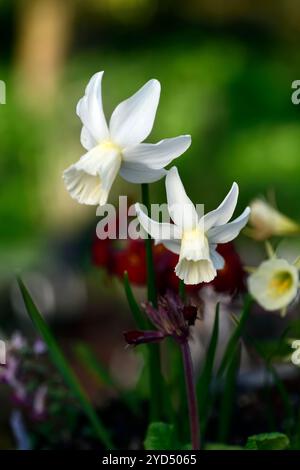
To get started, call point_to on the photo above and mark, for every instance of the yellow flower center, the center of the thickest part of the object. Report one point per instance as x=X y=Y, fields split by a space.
x=110 y=145
x=280 y=283
x=192 y=235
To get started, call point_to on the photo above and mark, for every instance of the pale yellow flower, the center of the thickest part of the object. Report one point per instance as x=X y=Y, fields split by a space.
x=274 y=284
x=266 y=221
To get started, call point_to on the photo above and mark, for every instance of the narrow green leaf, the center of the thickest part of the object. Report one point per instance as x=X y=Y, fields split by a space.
x=134 y=307
x=63 y=366
x=235 y=337
x=175 y=396
x=203 y=386
x=153 y=351
x=268 y=441
x=182 y=290
x=152 y=292
x=228 y=395
x=284 y=395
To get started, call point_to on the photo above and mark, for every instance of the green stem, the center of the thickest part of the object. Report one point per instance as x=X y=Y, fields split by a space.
x=152 y=294
x=182 y=291
x=155 y=377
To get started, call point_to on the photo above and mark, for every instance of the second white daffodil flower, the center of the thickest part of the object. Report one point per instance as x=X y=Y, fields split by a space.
x=116 y=147
x=274 y=284
x=266 y=221
x=193 y=237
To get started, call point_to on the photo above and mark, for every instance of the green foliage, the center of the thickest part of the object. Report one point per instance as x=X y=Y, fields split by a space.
x=271 y=351
x=228 y=395
x=62 y=365
x=268 y=441
x=220 y=446
x=137 y=314
x=235 y=337
x=161 y=436
x=204 y=383
x=272 y=348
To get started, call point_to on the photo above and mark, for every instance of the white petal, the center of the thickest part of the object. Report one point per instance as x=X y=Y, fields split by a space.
x=217 y=260
x=90 y=111
x=181 y=208
x=194 y=272
x=132 y=120
x=158 y=231
x=90 y=179
x=86 y=139
x=226 y=233
x=158 y=155
x=139 y=173
x=224 y=212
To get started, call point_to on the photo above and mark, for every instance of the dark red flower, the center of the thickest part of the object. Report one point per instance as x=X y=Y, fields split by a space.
x=132 y=259
x=136 y=337
x=232 y=277
x=171 y=318
x=102 y=253
x=164 y=265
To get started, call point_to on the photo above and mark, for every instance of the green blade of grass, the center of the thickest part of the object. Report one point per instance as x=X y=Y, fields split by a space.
x=62 y=365
x=267 y=359
x=151 y=281
x=203 y=386
x=134 y=307
x=284 y=396
x=182 y=290
x=227 y=400
x=235 y=337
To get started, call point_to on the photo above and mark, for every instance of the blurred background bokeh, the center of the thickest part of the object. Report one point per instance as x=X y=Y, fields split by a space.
x=226 y=69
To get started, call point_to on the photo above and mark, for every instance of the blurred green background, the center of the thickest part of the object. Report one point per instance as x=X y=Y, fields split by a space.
x=226 y=70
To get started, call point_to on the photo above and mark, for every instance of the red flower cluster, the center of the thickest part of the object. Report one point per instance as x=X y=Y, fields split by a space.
x=130 y=255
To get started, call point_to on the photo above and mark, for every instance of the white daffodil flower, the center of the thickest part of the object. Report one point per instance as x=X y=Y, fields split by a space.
x=274 y=284
x=266 y=221
x=193 y=237
x=116 y=147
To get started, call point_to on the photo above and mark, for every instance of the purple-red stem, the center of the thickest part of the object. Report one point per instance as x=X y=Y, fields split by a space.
x=191 y=395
